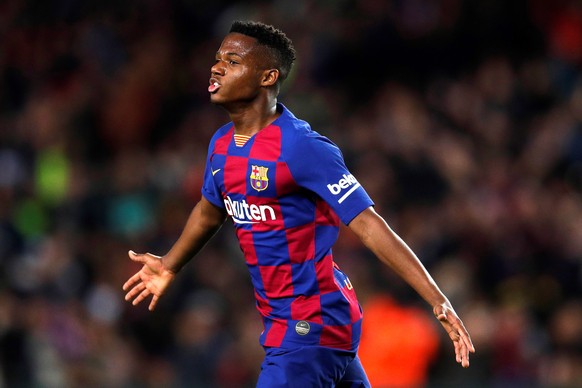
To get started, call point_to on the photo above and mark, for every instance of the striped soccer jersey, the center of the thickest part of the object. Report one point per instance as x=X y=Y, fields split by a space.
x=286 y=190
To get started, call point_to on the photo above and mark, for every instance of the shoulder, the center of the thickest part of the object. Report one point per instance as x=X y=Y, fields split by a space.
x=292 y=126
x=222 y=131
x=299 y=137
x=222 y=135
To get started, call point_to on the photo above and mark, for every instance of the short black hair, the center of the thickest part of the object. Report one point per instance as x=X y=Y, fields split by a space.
x=279 y=44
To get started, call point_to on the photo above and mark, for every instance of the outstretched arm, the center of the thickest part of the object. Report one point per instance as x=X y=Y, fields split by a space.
x=158 y=272
x=390 y=249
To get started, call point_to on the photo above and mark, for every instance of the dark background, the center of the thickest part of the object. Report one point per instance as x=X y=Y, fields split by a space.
x=462 y=119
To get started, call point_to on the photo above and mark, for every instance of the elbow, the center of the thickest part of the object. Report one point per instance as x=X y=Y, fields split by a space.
x=364 y=226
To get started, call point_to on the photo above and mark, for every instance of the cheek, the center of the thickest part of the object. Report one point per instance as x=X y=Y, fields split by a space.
x=244 y=82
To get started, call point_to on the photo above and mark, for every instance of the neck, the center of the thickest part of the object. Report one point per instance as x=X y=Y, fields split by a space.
x=251 y=119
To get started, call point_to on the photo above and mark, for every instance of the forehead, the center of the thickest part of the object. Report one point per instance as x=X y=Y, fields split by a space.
x=235 y=43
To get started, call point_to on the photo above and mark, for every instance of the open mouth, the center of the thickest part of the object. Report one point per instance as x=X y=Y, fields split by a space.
x=214 y=86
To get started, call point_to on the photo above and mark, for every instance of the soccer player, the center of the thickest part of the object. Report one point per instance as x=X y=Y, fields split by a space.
x=286 y=188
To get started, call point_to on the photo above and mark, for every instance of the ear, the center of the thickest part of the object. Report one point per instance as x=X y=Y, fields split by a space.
x=270 y=77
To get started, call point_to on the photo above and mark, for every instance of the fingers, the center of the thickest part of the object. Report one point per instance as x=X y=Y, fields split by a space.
x=458 y=335
x=131 y=281
x=144 y=294
x=136 y=290
x=464 y=336
x=458 y=352
x=135 y=286
x=462 y=343
x=440 y=314
x=467 y=340
x=140 y=258
x=463 y=346
x=135 y=278
x=467 y=347
x=153 y=303
x=138 y=294
x=461 y=352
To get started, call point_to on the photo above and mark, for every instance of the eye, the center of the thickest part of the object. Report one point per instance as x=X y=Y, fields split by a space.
x=231 y=62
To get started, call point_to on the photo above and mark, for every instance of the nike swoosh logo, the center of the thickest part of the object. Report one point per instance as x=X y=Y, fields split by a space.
x=215 y=171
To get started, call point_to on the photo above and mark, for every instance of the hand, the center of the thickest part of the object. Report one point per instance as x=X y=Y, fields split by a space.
x=153 y=279
x=457 y=332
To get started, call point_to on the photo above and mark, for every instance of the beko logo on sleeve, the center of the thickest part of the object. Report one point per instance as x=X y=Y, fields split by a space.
x=347 y=181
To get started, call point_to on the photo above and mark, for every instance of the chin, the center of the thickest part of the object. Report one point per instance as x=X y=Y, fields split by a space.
x=214 y=99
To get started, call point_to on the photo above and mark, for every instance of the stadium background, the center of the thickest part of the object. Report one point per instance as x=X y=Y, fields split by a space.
x=463 y=119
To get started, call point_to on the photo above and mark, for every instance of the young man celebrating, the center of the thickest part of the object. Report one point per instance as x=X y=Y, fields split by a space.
x=286 y=189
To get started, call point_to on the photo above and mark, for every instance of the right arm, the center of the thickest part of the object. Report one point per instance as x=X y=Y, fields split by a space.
x=157 y=272
x=203 y=223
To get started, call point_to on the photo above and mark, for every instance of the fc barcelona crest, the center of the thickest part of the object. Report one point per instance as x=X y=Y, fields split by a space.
x=259 y=179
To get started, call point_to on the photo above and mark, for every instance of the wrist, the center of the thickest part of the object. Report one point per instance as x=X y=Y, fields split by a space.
x=171 y=265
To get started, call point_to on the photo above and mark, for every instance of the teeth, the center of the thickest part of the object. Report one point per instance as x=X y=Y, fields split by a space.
x=215 y=84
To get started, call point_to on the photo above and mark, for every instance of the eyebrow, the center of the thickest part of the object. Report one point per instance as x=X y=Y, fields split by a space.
x=229 y=54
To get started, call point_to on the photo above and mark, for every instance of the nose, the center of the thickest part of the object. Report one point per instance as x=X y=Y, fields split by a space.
x=217 y=68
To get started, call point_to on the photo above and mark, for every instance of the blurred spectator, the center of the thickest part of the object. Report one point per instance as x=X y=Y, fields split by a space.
x=462 y=119
x=398 y=344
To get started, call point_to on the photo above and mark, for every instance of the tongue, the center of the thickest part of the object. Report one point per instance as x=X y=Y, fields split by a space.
x=213 y=88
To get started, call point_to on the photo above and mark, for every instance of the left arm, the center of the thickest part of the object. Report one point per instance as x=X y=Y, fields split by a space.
x=376 y=235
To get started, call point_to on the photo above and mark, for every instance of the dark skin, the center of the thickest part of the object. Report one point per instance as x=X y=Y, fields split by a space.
x=244 y=82
x=248 y=89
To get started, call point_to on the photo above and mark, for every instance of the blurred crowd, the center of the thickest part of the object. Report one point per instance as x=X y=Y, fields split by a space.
x=462 y=119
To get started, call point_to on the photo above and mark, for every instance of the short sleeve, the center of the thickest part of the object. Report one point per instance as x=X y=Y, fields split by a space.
x=317 y=164
x=210 y=190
